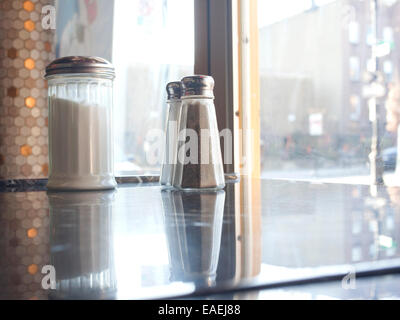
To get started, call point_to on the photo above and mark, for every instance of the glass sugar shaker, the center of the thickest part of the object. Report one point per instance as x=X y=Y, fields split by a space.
x=174 y=92
x=80 y=99
x=199 y=161
x=187 y=230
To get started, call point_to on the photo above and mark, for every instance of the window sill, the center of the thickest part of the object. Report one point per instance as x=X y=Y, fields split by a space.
x=24 y=185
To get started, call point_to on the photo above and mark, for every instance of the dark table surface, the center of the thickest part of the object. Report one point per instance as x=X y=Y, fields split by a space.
x=383 y=287
x=256 y=239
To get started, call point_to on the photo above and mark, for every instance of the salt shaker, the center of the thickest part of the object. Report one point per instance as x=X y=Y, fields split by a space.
x=80 y=98
x=199 y=161
x=174 y=92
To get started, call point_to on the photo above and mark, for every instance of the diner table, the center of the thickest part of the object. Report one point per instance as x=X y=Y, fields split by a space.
x=255 y=239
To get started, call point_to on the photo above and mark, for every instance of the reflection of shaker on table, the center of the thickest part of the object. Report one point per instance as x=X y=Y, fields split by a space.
x=81 y=244
x=194 y=239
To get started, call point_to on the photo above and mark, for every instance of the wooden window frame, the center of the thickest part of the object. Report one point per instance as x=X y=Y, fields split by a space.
x=226 y=47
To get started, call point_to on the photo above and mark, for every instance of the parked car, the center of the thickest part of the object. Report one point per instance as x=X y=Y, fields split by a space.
x=389 y=157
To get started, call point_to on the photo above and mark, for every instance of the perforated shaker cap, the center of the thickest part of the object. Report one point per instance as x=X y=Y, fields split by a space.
x=80 y=64
x=198 y=85
x=174 y=90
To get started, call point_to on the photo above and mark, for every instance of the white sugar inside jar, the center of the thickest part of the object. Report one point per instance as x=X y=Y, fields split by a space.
x=80 y=98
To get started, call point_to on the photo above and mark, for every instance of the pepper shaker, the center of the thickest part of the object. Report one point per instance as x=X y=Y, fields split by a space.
x=199 y=161
x=174 y=91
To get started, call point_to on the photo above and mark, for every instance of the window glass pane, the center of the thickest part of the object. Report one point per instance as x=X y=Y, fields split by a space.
x=354 y=32
x=388 y=34
x=354 y=68
x=371 y=65
x=369 y=36
x=388 y=69
x=323 y=2
x=150 y=43
x=153 y=45
x=274 y=11
x=324 y=89
x=355 y=107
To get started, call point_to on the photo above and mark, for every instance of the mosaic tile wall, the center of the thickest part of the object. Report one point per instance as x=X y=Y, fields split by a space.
x=25 y=50
x=24 y=229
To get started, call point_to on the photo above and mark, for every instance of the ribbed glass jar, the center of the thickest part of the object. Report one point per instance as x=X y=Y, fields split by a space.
x=80 y=131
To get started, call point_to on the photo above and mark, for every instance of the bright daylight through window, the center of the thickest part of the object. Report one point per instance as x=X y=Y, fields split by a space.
x=143 y=40
x=147 y=54
x=329 y=98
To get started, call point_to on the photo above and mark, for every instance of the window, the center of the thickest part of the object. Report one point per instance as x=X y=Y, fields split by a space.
x=388 y=69
x=354 y=32
x=151 y=48
x=315 y=83
x=356 y=253
x=355 y=111
x=388 y=34
x=323 y=2
x=316 y=86
x=354 y=68
x=273 y=11
x=150 y=43
x=371 y=65
x=370 y=36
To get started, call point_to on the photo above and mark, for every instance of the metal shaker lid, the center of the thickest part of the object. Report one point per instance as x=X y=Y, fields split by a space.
x=174 y=90
x=198 y=85
x=80 y=64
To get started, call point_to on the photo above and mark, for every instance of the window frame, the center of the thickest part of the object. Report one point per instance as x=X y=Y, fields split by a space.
x=226 y=47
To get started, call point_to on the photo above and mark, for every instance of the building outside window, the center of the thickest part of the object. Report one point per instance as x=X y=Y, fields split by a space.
x=315 y=62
